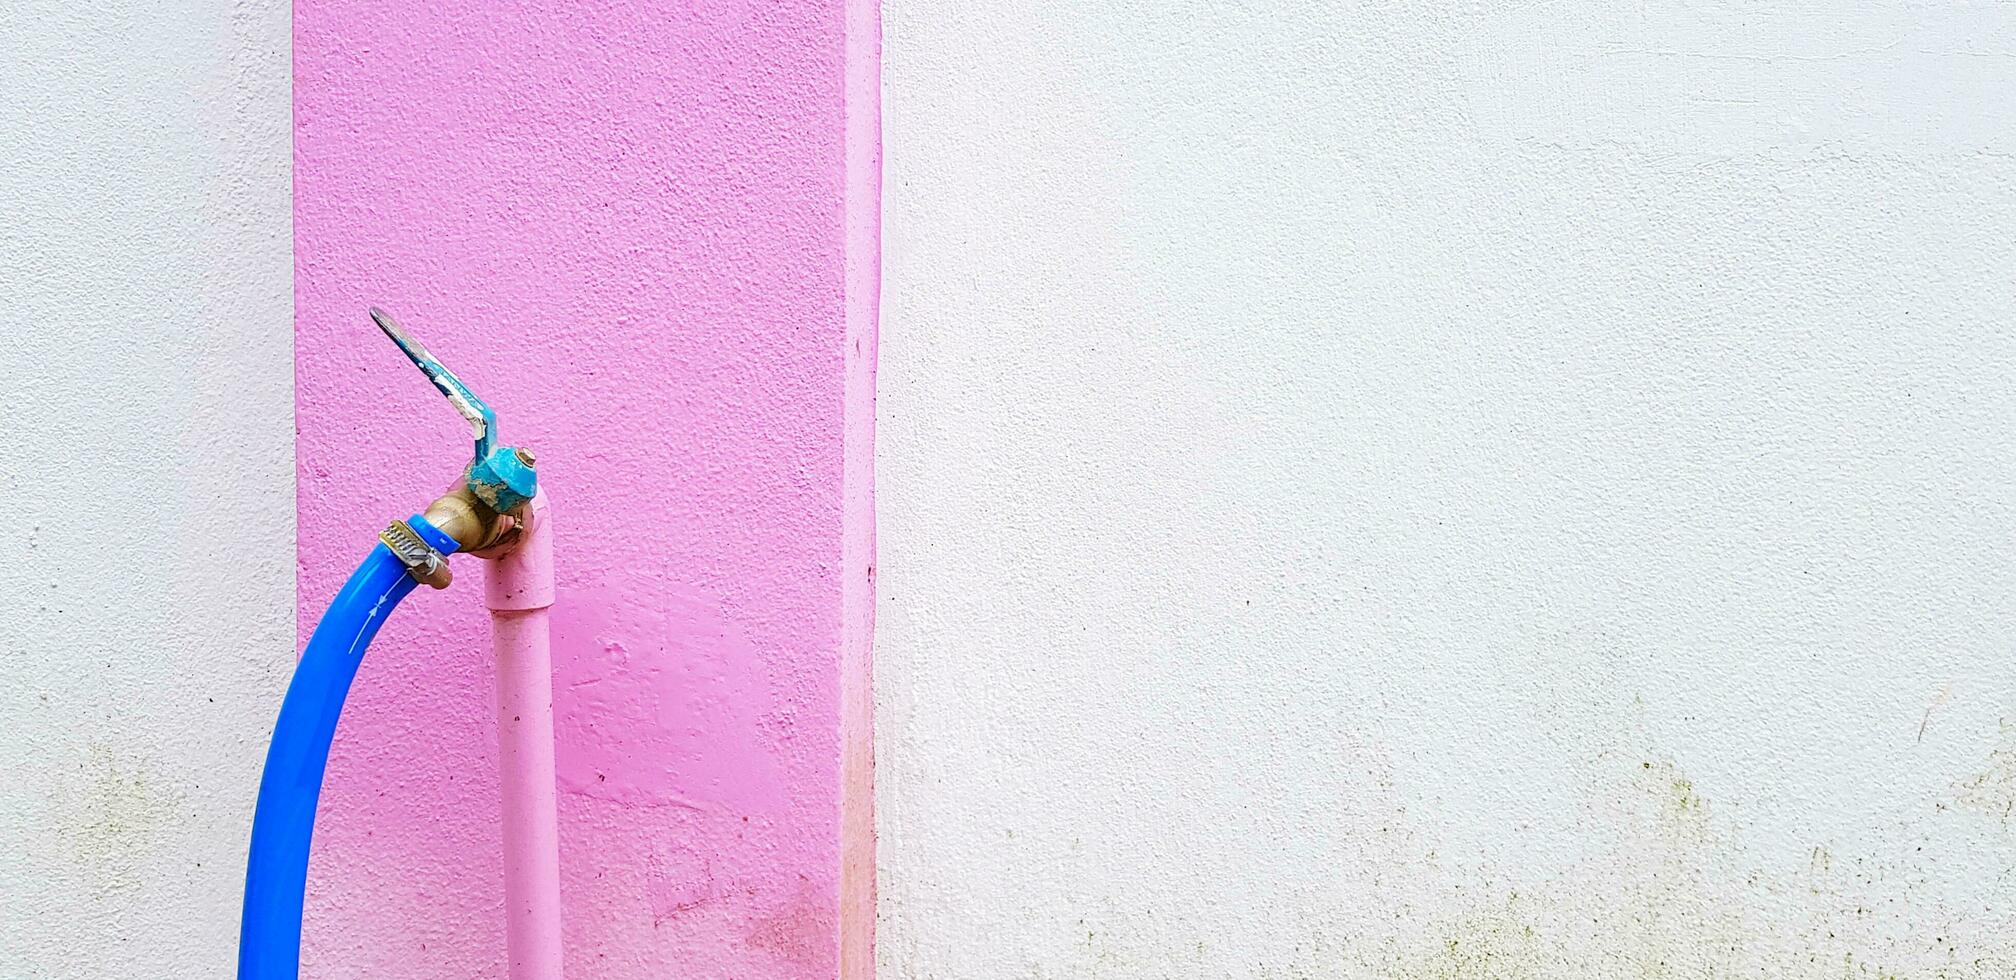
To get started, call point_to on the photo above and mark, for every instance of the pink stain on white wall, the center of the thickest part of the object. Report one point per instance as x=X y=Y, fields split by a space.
x=628 y=226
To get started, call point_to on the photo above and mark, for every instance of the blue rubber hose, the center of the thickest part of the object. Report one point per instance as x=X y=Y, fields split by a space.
x=269 y=936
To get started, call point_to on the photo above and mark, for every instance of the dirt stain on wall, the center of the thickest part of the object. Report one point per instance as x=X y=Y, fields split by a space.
x=1993 y=790
x=116 y=810
x=1675 y=902
x=1675 y=896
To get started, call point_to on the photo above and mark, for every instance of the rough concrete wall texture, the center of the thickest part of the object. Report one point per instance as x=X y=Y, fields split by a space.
x=145 y=399
x=624 y=225
x=1447 y=490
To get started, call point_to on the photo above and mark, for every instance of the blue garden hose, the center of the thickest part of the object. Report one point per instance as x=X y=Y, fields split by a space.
x=497 y=483
x=269 y=938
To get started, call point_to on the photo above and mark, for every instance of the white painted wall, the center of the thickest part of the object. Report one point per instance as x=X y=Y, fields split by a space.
x=1448 y=490
x=146 y=456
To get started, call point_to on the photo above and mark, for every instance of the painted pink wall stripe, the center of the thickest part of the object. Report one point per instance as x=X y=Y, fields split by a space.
x=648 y=233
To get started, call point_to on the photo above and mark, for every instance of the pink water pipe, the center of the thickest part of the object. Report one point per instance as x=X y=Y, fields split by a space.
x=519 y=592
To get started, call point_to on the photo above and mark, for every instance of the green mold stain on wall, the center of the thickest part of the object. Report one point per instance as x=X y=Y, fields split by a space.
x=1674 y=894
x=1674 y=903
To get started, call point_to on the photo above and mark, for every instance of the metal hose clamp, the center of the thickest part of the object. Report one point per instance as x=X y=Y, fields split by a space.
x=426 y=565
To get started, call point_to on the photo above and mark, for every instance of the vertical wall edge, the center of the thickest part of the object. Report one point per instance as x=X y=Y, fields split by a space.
x=863 y=213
